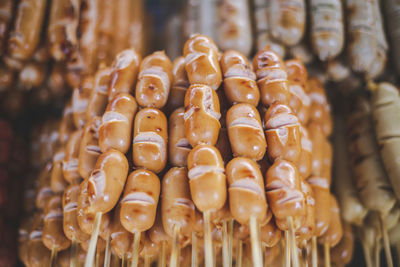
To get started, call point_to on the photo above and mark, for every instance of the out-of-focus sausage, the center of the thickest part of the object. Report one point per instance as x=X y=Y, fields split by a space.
x=327 y=28
x=99 y=97
x=57 y=181
x=239 y=79
x=89 y=149
x=154 y=81
x=178 y=145
x=202 y=66
x=202 y=108
x=25 y=35
x=32 y=75
x=79 y=101
x=66 y=125
x=245 y=132
x=320 y=187
x=116 y=127
x=334 y=233
x=234 y=26
x=38 y=254
x=270 y=234
x=207 y=178
x=306 y=231
x=150 y=140
x=287 y=19
x=6 y=9
x=342 y=253
x=139 y=201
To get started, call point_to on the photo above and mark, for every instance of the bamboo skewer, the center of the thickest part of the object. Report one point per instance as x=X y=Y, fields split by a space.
x=93 y=241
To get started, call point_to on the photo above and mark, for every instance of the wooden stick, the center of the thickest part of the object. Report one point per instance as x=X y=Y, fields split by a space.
x=327 y=255
x=107 y=255
x=377 y=254
x=295 y=255
x=208 y=247
x=93 y=241
x=97 y=259
x=230 y=240
x=287 y=249
x=225 y=244
x=386 y=243
x=123 y=261
x=314 y=252
x=135 y=252
x=194 y=249
x=304 y=254
x=367 y=254
x=255 y=242
x=146 y=261
x=173 y=261
x=239 y=254
x=73 y=260
x=398 y=253
x=161 y=260
x=53 y=257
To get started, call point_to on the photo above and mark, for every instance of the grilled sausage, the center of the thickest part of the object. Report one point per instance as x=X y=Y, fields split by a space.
x=270 y=234
x=320 y=108
x=245 y=132
x=179 y=86
x=139 y=201
x=89 y=150
x=116 y=127
x=288 y=19
x=239 y=80
x=327 y=28
x=284 y=194
x=71 y=161
x=201 y=108
x=201 y=57
x=150 y=140
x=271 y=77
x=80 y=99
x=305 y=161
x=121 y=240
x=66 y=125
x=25 y=34
x=320 y=187
x=177 y=208
x=38 y=254
x=206 y=178
x=98 y=97
x=178 y=145
x=57 y=181
x=154 y=81
x=234 y=26
x=246 y=190
x=334 y=233
x=342 y=253
x=124 y=73
x=306 y=231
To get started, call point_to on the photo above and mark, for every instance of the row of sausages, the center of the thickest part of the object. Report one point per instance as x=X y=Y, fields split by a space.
x=105 y=130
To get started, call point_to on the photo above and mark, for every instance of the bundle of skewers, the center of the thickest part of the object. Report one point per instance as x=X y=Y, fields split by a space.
x=206 y=159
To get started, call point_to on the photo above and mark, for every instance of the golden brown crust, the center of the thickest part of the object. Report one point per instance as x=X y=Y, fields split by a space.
x=89 y=149
x=178 y=145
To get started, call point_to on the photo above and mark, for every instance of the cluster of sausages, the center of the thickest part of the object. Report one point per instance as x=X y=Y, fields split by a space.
x=48 y=46
x=152 y=144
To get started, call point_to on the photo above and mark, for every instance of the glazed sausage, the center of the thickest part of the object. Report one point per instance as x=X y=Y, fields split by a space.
x=6 y=9
x=334 y=233
x=288 y=19
x=32 y=75
x=124 y=73
x=305 y=161
x=180 y=85
x=320 y=188
x=353 y=211
x=71 y=161
x=178 y=145
x=239 y=80
x=201 y=57
x=306 y=231
x=385 y=104
x=116 y=127
x=23 y=239
x=282 y=133
x=25 y=35
x=86 y=222
x=156 y=233
x=318 y=139
x=284 y=193
x=201 y=108
x=63 y=28
x=38 y=254
x=320 y=108
x=362 y=37
x=246 y=190
x=224 y=146
x=98 y=97
x=101 y=191
x=271 y=77
x=139 y=201
x=154 y=81
x=245 y=132
x=53 y=235
x=342 y=253
x=66 y=125
x=88 y=22
x=270 y=234
x=150 y=140
x=327 y=28
x=57 y=181
x=80 y=99
x=89 y=150
x=177 y=208
x=262 y=29
x=206 y=178
x=70 y=222
x=44 y=191
x=121 y=240
x=299 y=100
x=234 y=26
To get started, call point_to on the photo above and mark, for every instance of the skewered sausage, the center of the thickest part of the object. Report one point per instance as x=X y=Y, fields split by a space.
x=71 y=161
x=320 y=187
x=201 y=57
x=334 y=233
x=178 y=147
x=6 y=9
x=201 y=108
x=342 y=253
x=306 y=231
x=116 y=128
x=150 y=140
x=80 y=99
x=89 y=150
x=57 y=181
x=179 y=86
x=154 y=81
x=239 y=79
x=98 y=97
x=245 y=132
x=67 y=124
